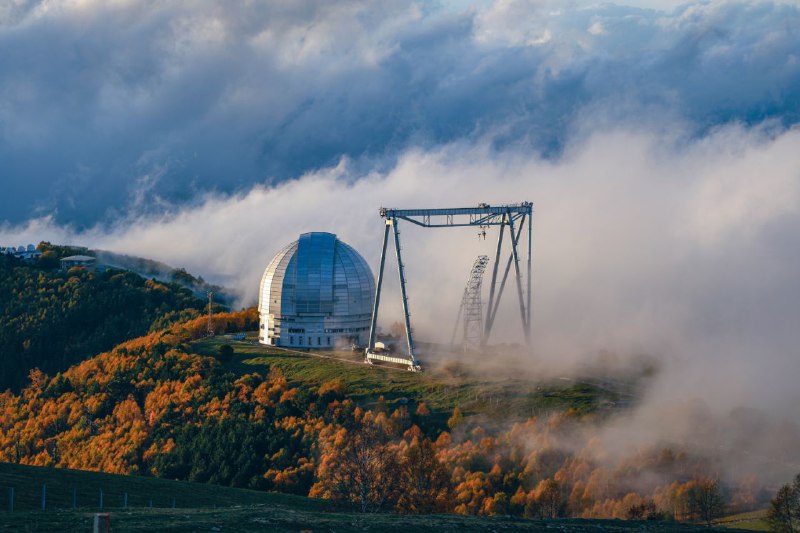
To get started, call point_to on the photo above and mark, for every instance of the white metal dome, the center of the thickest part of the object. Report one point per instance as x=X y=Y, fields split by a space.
x=316 y=292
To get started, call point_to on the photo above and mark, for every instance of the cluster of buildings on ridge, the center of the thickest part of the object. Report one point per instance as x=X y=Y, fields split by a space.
x=30 y=254
x=26 y=253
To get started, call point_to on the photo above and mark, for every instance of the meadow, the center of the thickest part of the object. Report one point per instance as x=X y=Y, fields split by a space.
x=203 y=507
x=495 y=396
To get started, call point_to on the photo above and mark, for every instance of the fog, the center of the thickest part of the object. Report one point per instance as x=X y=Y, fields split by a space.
x=644 y=243
x=667 y=217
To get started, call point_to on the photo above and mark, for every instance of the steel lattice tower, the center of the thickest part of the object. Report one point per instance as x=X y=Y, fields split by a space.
x=472 y=308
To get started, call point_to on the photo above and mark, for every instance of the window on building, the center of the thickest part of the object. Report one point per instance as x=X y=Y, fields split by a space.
x=329 y=341
x=319 y=341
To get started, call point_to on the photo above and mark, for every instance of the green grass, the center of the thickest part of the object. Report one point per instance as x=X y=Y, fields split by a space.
x=441 y=391
x=489 y=396
x=60 y=483
x=211 y=508
x=751 y=521
x=284 y=519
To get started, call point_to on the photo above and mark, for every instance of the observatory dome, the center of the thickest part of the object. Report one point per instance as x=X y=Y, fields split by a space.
x=316 y=292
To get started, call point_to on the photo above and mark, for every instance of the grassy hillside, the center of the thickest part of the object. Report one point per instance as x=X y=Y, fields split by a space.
x=209 y=508
x=752 y=521
x=511 y=399
x=142 y=491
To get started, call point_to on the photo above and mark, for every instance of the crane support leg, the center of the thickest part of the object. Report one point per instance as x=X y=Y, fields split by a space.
x=488 y=329
x=530 y=248
x=522 y=313
x=401 y=272
x=502 y=286
x=373 y=326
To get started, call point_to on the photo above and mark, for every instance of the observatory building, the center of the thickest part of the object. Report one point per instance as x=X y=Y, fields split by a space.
x=316 y=293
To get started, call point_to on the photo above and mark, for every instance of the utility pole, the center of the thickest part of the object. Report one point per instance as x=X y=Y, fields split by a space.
x=210 y=322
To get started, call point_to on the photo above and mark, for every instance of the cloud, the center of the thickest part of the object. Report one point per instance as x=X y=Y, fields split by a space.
x=644 y=241
x=659 y=145
x=647 y=241
x=99 y=97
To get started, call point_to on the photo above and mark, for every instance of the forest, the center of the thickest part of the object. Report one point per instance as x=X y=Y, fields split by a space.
x=150 y=406
x=51 y=319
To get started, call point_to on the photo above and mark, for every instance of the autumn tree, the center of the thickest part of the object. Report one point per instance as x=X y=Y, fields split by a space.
x=497 y=504
x=455 y=420
x=705 y=500
x=532 y=509
x=49 y=260
x=784 y=510
x=548 y=498
x=380 y=406
x=425 y=481
x=360 y=469
x=643 y=511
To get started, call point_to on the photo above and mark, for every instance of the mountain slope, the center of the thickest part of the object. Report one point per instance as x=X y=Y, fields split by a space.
x=51 y=319
x=155 y=406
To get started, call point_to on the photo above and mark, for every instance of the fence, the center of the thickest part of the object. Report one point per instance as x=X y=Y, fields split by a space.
x=45 y=498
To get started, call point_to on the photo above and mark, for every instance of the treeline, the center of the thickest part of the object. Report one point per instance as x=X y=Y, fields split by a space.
x=149 y=268
x=50 y=319
x=151 y=406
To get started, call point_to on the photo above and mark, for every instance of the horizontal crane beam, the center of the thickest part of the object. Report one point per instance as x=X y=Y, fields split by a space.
x=482 y=215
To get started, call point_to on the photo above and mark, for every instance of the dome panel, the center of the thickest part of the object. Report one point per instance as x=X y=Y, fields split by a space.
x=270 y=300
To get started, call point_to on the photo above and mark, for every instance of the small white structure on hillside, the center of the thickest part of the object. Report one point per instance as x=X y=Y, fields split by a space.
x=83 y=261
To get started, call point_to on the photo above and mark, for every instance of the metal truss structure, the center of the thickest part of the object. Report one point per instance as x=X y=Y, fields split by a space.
x=513 y=216
x=471 y=308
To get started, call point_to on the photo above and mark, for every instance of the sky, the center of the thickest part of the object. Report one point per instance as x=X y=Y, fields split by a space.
x=658 y=140
x=116 y=109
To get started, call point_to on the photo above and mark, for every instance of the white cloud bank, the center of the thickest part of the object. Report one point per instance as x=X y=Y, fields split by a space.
x=644 y=243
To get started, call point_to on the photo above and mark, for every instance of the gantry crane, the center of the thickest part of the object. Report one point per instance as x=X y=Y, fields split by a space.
x=512 y=216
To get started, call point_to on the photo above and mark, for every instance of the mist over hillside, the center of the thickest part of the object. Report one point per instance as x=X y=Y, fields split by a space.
x=370 y=439
x=658 y=141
